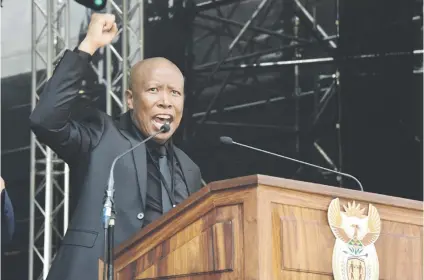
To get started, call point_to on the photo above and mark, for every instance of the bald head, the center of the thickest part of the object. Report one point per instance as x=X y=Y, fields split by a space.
x=143 y=68
x=156 y=96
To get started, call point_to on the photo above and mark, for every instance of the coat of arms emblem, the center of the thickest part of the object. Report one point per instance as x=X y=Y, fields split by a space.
x=354 y=254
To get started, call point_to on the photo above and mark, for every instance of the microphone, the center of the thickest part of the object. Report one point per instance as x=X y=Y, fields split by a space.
x=107 y=212
x=229 y=141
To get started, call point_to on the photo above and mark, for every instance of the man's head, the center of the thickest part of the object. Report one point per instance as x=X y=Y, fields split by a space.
x=156 y=95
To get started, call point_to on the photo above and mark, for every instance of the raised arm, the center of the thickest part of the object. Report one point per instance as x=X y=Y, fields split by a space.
x=53 y=120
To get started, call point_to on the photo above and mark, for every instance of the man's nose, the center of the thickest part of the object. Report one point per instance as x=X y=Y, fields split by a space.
x=164 y=101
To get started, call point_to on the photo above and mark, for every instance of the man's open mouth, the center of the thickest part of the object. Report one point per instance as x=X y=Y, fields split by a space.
x=159 y=120
x=163 y=118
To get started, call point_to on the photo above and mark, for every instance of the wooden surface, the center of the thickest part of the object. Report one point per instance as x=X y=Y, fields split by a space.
x=302 y=242
x=260 y=227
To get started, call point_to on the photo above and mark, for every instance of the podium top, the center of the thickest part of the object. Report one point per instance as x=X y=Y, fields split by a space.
x=262 y=181
x=258 y=180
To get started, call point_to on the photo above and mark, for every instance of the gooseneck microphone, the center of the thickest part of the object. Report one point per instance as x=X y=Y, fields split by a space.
x=229 y=141
x=109 y=209
x=111 y=182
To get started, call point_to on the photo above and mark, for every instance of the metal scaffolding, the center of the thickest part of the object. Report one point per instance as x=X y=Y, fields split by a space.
x=49 y=191
x=49 y=184
x=113 y=63
x=250 y=44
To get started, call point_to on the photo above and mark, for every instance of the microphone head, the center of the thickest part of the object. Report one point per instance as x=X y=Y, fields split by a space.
x=226 y=140
x=165 y=127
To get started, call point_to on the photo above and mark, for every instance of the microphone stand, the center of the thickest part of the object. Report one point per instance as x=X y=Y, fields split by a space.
x=229 y=141
x=109 y=213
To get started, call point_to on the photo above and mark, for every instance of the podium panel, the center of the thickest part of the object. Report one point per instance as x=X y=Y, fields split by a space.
x=207 y=246
x=261 y=227
x=302 y=241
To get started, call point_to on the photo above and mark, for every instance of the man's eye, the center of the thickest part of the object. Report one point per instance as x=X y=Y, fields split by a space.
x=153 y=89
x=177 y=93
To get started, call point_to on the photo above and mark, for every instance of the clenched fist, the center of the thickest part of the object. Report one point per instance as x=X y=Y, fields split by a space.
x=101 y=31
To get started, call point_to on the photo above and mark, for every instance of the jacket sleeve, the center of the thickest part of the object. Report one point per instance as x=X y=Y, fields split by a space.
x=57 y=120
x=7 y=218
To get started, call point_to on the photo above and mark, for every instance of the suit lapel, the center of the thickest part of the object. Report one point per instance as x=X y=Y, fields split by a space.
x=139 y=155
x=140 y=161
x=187 y=171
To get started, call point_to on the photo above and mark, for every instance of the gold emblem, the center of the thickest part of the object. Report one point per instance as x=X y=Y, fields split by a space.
x=354 y=254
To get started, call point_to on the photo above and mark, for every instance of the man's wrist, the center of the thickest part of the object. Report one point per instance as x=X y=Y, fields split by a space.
x=84 y=46
x=84 y=51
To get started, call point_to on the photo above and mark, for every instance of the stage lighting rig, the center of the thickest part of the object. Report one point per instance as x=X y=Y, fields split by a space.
x=96 y=5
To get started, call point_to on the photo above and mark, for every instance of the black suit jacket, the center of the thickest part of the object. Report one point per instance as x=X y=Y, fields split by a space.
x=88 y=140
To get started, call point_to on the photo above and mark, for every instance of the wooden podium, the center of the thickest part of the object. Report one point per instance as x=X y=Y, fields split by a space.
x=261 y=227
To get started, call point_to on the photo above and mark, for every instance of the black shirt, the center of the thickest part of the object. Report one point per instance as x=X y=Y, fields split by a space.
x=154 y=194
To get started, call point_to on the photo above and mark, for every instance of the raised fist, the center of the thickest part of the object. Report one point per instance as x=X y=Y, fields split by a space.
x=101 y=31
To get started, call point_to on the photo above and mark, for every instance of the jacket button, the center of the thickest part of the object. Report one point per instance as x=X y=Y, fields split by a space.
x=140 y=216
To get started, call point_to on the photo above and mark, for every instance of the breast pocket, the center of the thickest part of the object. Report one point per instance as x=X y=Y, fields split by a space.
x=79 y=237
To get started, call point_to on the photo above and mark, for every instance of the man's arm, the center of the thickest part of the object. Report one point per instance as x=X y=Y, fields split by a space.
x=52 y=120
x=7 y=215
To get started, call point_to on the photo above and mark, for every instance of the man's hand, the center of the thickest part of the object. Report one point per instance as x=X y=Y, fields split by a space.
x=101 y=31
x=2 y=185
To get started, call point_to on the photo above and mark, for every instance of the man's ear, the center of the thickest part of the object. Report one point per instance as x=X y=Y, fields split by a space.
x=130 y=99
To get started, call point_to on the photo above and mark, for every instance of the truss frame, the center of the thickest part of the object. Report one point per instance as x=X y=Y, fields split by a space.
x=46 y=167
x=228 y=63
x=50 y=30
x=129 y=16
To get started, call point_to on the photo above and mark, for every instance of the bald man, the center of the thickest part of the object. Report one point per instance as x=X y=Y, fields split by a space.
x=149 y=181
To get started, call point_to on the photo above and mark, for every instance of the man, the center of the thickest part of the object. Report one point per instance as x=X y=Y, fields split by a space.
x=7 y=216
x=148 y=181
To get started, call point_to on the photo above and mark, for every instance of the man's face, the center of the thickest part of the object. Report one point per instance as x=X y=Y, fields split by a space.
x=157 y=97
